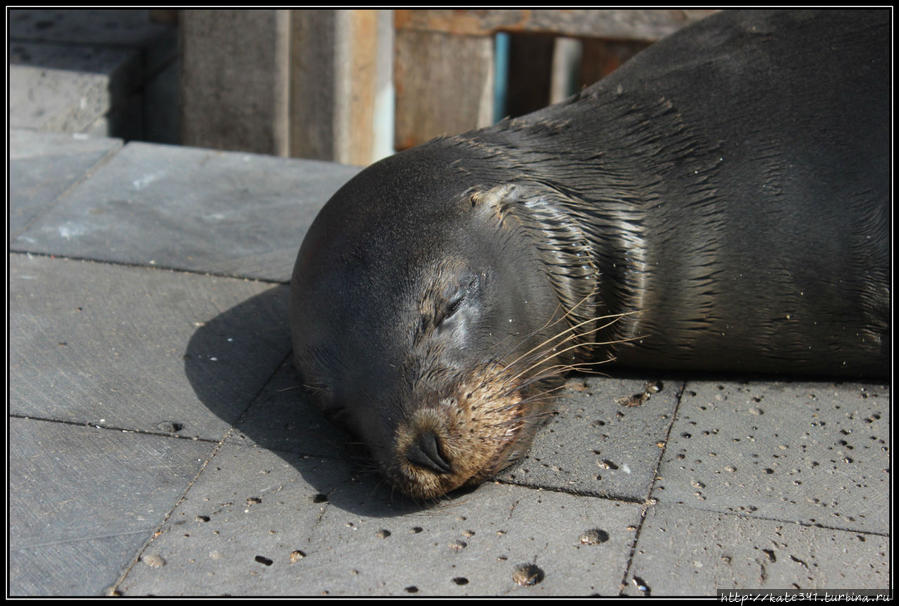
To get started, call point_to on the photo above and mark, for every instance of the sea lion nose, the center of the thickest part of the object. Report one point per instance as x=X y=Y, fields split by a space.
x=425 y=452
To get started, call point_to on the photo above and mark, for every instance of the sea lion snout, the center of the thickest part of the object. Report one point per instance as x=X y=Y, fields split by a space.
x=425 y=451
x=462 y=439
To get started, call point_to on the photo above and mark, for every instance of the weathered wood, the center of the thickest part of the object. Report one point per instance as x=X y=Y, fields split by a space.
x=359 y=83
x=444 y=60
x=599 y=58
x=284 y=82
x=444 y=85
x=566 y=65
x=334 y=80
x=607 y=23
x=307 y=83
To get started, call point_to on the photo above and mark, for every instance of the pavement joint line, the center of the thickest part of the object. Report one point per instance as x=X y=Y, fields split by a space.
x=649 y=501
x=749 y=516
x=256 y=397
x=180 y=270
x=645 y=504
x=164 y=434
x=107 y=157
x=160 y=529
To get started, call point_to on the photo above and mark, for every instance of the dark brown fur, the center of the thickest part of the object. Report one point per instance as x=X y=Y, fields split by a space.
x=720 y=203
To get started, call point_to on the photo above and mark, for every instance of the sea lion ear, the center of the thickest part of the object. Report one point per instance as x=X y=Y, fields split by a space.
x=490 y=196
x=545 y=214
x=494 y=200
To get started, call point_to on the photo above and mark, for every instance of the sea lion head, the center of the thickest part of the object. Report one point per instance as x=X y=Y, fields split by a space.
x=423 y=317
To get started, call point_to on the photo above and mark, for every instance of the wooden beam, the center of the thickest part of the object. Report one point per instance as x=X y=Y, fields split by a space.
x=625 y=24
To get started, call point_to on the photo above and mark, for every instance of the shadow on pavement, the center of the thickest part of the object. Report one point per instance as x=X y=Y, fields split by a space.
x=257 y=391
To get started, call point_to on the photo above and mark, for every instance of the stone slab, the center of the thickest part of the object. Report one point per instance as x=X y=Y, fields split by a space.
x=83 y=500
x=98 y=27
x=282 y=419
x=30 y=145
x=685 y=551
x=596 y=445
x=44 y=165
x=139 y=348
x=66 y=88
x=816 y=453
x=217 y=212
x=260 y=523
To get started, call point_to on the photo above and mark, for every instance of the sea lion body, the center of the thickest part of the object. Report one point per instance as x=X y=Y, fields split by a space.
x=719 y=203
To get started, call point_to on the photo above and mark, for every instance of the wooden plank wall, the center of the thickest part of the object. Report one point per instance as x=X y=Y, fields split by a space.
x=316 y=83
x=444 y=61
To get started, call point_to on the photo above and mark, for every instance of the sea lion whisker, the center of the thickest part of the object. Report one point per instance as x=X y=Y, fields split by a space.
x=537 y=394
x=580 y=335
x=516 y=426
x=537 y=356
x=313 y=387
x=572 y=335
x=526 y=337
x=570 y=311
x=542 y=396
x=552 y=351
x=573 y=347
x=561 y=369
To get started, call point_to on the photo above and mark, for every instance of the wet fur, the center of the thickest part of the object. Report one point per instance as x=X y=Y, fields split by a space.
x=720 y=203
x=732 y=182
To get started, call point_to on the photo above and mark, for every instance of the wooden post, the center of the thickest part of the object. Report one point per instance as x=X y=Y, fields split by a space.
x=335 y=80
x=444 y=85
x=303 y=83
x=310 y=83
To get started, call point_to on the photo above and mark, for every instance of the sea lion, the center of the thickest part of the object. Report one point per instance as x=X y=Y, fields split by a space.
x=719 y=203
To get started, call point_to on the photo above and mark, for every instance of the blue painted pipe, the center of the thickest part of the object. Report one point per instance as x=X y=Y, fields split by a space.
x=501 y=75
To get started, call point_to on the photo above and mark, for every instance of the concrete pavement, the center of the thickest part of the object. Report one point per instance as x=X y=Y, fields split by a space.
x=157 y=444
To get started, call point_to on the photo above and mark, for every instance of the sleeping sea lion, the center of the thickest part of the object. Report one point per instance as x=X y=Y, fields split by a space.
x=719 y=203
